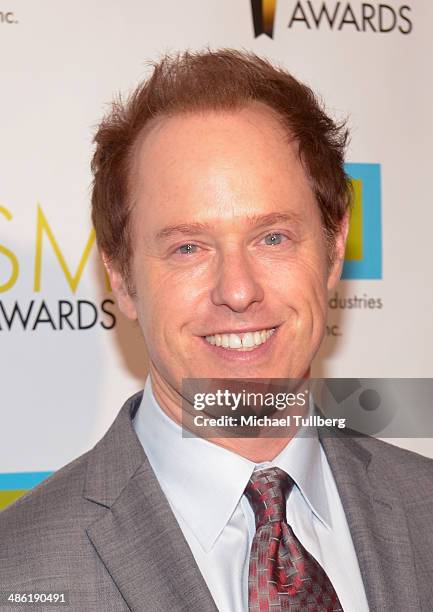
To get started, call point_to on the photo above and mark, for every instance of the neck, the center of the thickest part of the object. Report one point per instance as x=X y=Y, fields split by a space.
x=257 y=449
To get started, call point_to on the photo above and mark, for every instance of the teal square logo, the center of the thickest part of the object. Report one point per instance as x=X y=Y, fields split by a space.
x=363 y=257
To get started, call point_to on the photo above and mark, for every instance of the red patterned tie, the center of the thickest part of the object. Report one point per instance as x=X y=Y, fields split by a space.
x=282 y=574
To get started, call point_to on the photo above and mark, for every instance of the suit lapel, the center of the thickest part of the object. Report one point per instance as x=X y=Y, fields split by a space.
x=377 y=523
x=141 y=545
x=138 y=538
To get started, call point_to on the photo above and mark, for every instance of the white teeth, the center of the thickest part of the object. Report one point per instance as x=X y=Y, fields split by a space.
x=248 y=340
x=234 y=341
x=240 y=342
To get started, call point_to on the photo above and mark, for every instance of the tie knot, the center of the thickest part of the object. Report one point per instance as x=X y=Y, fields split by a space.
x=267 y=492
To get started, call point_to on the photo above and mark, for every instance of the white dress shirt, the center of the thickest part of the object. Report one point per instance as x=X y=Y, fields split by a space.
x=204 y=485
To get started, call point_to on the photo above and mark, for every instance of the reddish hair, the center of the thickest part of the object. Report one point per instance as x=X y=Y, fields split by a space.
x=225 y=79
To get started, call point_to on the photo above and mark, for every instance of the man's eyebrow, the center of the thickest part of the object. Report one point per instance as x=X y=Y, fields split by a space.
x=253 y=220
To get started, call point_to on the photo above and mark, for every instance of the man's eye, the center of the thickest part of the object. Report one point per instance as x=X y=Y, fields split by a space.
x=274 y=238
x=186 y=249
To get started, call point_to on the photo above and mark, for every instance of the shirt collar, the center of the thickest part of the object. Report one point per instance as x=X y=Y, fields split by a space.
x=204 y=482
x=301 y=458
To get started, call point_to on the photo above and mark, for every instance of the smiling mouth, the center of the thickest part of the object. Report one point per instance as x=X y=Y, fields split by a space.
x=248 y=341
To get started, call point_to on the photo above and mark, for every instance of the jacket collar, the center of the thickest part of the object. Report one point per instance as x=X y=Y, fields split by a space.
x=208 y=500
x=376 y=518
x=138 y=538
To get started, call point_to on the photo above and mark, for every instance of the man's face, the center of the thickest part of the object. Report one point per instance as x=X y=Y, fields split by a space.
x=227 y=246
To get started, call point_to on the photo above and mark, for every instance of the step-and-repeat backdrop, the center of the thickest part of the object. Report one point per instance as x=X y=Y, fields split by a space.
x=68 y=359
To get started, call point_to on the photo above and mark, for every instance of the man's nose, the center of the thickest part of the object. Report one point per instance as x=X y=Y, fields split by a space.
x=237 y=284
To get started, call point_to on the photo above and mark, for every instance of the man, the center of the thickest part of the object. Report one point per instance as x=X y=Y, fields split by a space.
x=220 y=205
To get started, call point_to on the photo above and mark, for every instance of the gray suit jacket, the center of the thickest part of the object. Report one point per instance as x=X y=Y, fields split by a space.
x=102 y=529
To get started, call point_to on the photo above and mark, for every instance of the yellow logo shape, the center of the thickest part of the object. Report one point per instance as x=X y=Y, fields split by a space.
x=354 y=238
x=263 y=16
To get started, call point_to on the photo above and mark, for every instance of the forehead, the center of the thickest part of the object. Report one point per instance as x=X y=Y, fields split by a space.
x=221 y=163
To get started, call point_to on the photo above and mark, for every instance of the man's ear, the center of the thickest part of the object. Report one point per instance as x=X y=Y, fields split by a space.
x=339 y=250
x=123 y=298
